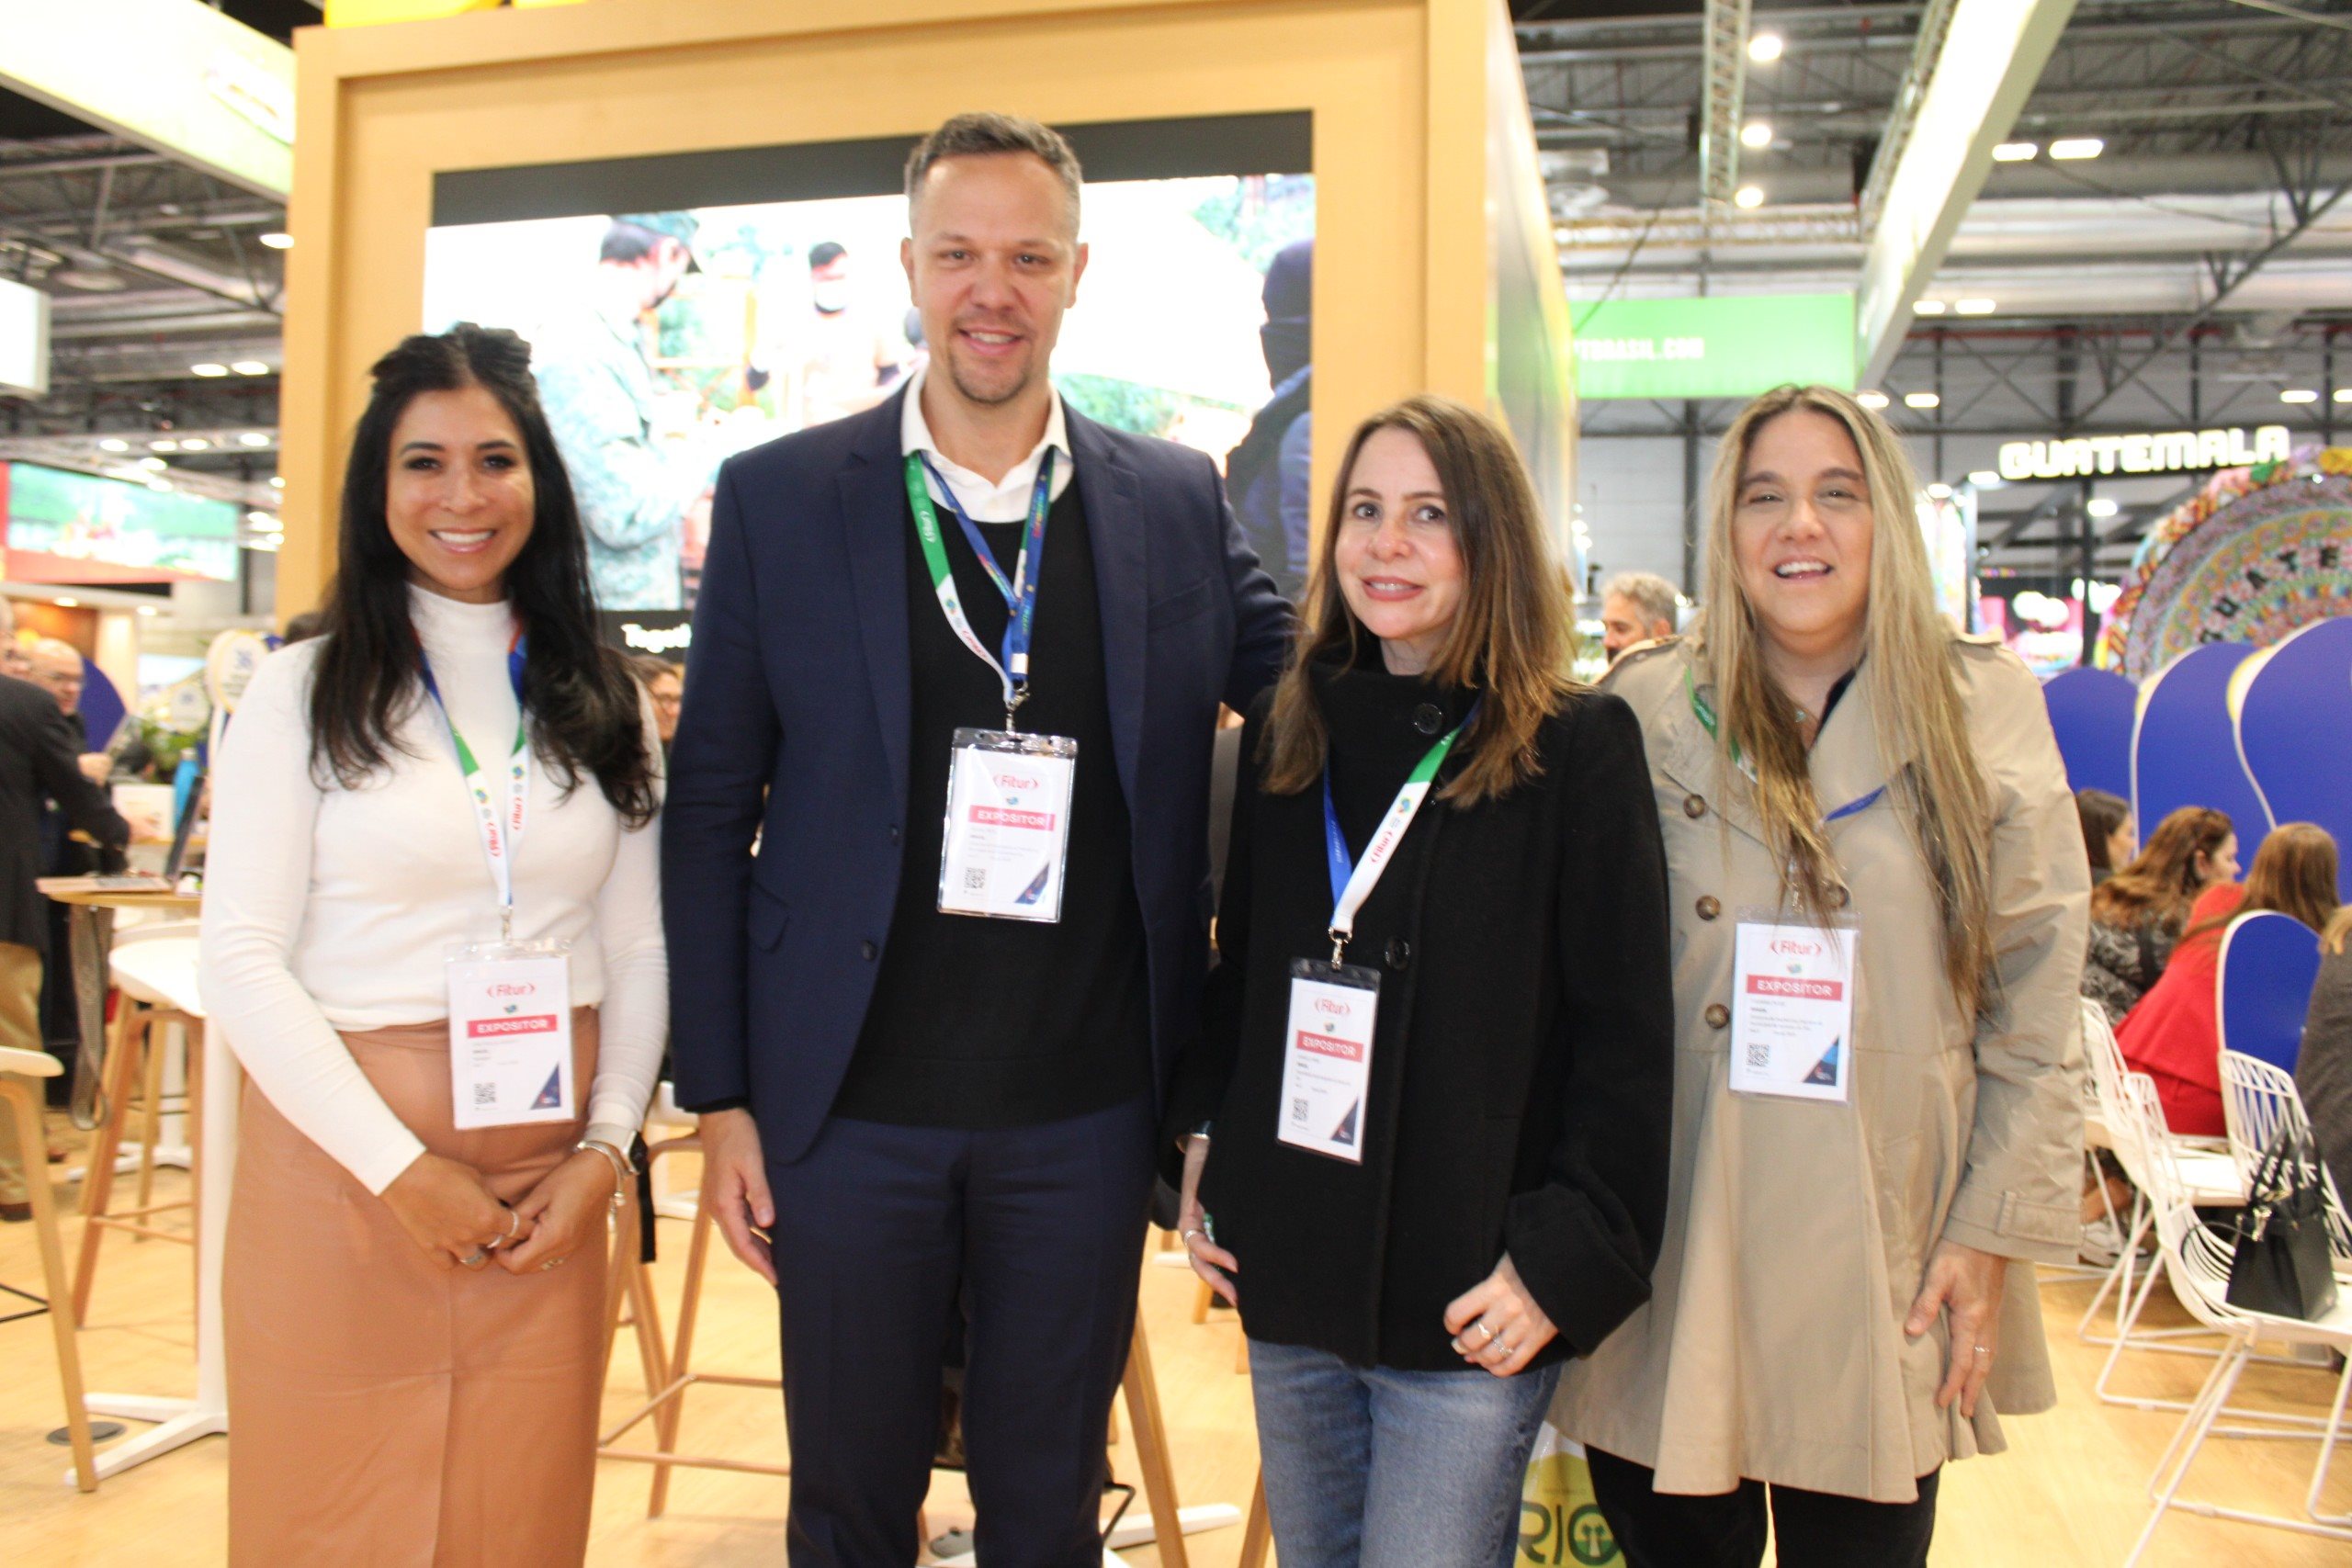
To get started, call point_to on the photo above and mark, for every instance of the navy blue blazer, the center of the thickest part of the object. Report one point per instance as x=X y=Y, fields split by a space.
x=797 y=730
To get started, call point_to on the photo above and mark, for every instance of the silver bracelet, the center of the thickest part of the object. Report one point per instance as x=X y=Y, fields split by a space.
x=617 y=1160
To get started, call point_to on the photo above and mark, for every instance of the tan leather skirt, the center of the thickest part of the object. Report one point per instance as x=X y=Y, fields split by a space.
x=384 y=1410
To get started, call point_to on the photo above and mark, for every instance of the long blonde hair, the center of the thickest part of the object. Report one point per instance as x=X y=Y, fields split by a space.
x=1907 y=672
x=1511 y=640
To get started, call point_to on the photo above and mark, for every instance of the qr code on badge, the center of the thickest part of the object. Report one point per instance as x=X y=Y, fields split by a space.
x=1298 y=1109
x=976 y=879
x=1759 y=1055
x=485 y=1094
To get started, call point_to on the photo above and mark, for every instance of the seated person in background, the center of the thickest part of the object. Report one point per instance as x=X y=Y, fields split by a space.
x=2137 y=914
x=2174 y=1035
x=2324 y=1070
x=2107 y=831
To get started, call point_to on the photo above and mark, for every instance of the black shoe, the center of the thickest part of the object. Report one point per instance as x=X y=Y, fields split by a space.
x=16 y=1213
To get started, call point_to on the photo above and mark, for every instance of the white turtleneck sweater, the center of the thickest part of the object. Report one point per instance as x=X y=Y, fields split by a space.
x=330 y=909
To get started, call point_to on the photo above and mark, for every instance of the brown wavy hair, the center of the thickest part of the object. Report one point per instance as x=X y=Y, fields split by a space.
x=1512 y=639
x=2163 y=879
x=2294 y=872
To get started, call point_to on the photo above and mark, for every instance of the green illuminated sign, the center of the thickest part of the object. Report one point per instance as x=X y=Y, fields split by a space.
x=1725 y=346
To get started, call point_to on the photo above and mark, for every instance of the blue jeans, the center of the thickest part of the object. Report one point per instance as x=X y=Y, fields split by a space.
x=1370 y=1468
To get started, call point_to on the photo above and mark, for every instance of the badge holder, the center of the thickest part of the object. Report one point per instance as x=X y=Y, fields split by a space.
x=1792 y=1005
x=510 y=1033
x=1326 y=1057
x=1006 y=839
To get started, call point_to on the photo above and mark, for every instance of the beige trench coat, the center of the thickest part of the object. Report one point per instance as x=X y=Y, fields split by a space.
x=1797 y=1232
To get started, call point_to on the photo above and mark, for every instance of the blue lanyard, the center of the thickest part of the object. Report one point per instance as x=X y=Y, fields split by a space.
x=1020 y=594
x=1398 y=817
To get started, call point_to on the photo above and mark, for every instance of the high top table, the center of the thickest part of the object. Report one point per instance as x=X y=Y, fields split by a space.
x=178 y=1422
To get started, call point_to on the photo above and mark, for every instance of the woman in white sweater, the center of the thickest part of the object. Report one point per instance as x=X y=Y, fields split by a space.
x=435 y=823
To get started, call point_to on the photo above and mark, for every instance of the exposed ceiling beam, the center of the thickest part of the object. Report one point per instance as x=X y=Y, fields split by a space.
x=1721 y=103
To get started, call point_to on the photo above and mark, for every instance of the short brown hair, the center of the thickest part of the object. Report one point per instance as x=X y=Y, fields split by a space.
x=986 y=134
x=1511 y=640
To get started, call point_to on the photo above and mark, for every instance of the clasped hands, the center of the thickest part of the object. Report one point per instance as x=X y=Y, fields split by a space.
x=1495 y=1323
x=451 y=1213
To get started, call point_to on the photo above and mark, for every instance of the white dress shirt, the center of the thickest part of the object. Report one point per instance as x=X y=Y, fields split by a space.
x=1006 y=501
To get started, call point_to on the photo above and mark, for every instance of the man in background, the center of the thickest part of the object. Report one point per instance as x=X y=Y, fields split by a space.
x=601 y=401
x=844 y=356
x=36 y=766
x=1266 y=474
x=57 y=669
x=1637 y=607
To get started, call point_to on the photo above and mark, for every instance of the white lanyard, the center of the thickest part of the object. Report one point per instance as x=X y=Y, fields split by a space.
x=1352 y=884
x=501 y=830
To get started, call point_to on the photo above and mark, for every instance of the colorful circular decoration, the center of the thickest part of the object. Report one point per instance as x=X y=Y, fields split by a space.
x=2255 y=555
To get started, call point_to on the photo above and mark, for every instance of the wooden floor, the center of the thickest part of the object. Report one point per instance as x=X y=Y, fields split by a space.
x=2070 y=1491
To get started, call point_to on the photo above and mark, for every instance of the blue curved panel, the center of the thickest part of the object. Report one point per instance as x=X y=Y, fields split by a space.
x=2185 y=747
x=2295 y=734
x=2269 y=962
x=2092 y=711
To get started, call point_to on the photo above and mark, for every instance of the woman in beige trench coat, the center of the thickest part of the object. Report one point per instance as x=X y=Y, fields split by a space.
x=1844 y=1298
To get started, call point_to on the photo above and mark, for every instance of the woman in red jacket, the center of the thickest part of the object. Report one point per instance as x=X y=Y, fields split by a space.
x=2174 y=1035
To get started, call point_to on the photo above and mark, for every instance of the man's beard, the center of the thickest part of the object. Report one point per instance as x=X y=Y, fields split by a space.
x=983 y=397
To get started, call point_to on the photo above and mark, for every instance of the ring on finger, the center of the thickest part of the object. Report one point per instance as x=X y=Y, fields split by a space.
x=1984 y=1349
x=475 y=1258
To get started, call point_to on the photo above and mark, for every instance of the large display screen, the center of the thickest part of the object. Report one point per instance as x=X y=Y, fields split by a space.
x=67 y=527
x=797 y=310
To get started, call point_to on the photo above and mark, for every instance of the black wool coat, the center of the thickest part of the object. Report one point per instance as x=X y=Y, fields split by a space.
x=1522 y=1069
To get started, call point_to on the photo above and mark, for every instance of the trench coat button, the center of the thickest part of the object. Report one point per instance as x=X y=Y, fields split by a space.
x=1694 y=805
x=1718 y=1016
x=1839 y=897
x=894 y=832
x=1428 y=719
x=1400 y=954
x=1710 y=906
x=865 y=950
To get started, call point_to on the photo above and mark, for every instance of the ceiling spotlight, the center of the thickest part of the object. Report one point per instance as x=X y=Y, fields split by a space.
x=2016 y=151
x=1939 y=490
x=163 y=447
x=195 y=444
x=277 y=241
x=149 y=610
x=2298 y=395
x=114 y=444
x=2078 y=147
x=254 y=438
x=153 y=465
x=1749 y=197
x=1921 y=401
x=1973 y=307
x=1756 y=133
x=250 y=367
x=2343 y=395
x=277 y=481
x=66 y=602
x=207 y=369
x=1765 y=48
x=1870 y=400
x=2100 y=506
x=161 y=487
x=1984 y=478
x=1928 y=307
x=267 y=521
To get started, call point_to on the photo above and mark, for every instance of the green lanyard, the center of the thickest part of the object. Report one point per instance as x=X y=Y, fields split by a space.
x=1706 y=712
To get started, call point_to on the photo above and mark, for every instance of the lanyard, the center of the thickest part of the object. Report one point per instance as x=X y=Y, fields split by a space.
x=501 y=833
x=1354 y=880
x=1706 y=712
x=1020 y=594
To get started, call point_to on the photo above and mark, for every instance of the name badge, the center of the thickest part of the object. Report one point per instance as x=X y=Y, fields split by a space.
x=1008 y=824
x=1793 y=1008
x=1327 y=1058
x=509 y=1034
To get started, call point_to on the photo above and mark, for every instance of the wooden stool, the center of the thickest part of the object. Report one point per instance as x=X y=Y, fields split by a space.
x=672 y=1373
x=155 y=974
x=21 y=1098
x=1258 y=1533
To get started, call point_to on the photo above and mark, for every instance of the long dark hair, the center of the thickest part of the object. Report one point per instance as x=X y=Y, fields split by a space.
x=2101 y=814
x=2163 y=879
x=581 y=703
x=1510 y=641
x=2293 y=873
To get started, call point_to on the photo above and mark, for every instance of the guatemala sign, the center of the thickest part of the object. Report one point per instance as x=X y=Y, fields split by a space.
x=2158 y=452
x=1720 y=346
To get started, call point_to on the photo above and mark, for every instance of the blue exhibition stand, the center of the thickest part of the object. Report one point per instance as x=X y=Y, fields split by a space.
x=2269 y=962
x=2294 y=726
x=2092 y=713
x=2185 y=747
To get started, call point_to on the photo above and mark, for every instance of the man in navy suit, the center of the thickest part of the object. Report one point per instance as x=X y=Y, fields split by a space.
x=928 y=1103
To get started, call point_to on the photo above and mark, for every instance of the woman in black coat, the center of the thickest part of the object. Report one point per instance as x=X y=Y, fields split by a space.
x=1425 y=1131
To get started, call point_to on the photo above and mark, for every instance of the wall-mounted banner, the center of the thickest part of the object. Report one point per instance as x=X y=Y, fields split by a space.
x=1722 y=346
x=2157 y=452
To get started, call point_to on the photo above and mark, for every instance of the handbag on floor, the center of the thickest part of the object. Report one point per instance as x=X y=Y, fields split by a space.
x=2281 y=1264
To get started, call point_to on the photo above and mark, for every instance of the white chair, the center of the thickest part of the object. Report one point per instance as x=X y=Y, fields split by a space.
x=2257 y=1100
x=21 y=1096
x=2197 y=1262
